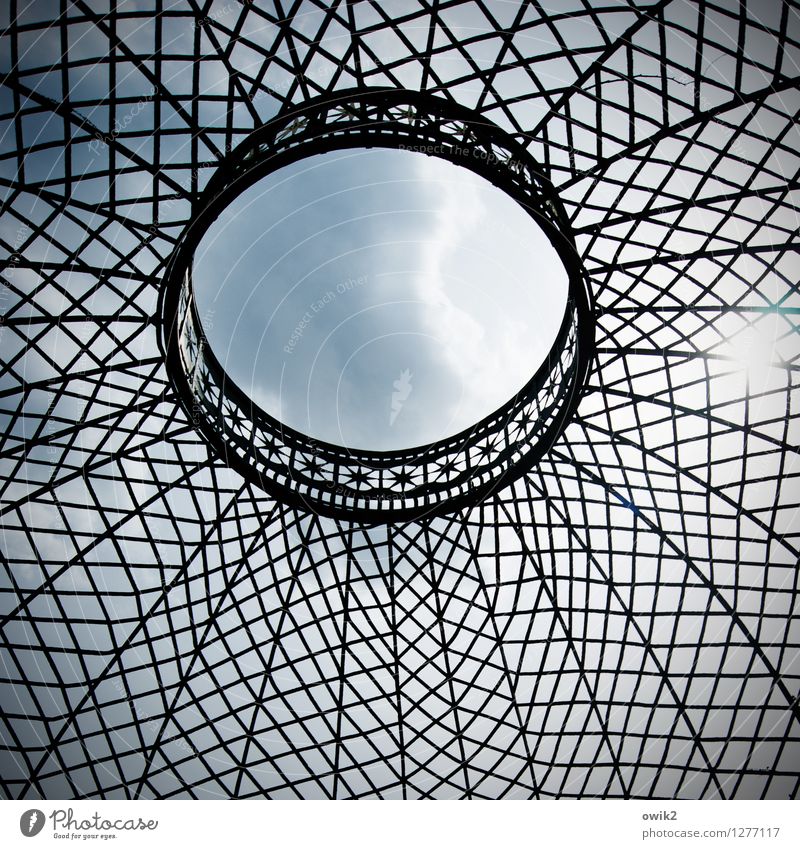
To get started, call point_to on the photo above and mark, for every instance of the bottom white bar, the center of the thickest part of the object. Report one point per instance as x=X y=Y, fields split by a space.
x=400 y=825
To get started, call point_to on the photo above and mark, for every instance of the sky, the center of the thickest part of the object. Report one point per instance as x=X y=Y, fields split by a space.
x=378 y=299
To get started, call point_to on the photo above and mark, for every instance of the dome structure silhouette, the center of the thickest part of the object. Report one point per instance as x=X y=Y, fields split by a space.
x=615 y=616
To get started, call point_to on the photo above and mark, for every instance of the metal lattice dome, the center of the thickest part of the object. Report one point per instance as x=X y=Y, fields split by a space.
x=618 y=621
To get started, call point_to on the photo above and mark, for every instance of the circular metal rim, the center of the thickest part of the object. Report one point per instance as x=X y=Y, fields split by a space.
x=243 y=167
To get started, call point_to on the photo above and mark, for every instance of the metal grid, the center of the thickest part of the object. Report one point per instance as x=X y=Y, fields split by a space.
x=620 y=622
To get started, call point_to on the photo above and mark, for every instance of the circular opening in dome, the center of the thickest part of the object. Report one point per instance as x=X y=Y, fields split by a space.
x=370 y=333
x=378 y=299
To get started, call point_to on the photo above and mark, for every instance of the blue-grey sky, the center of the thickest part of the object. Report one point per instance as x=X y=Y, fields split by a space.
x=329 y=281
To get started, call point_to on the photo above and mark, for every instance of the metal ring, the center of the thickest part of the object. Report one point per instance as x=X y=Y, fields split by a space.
x=361 y=485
